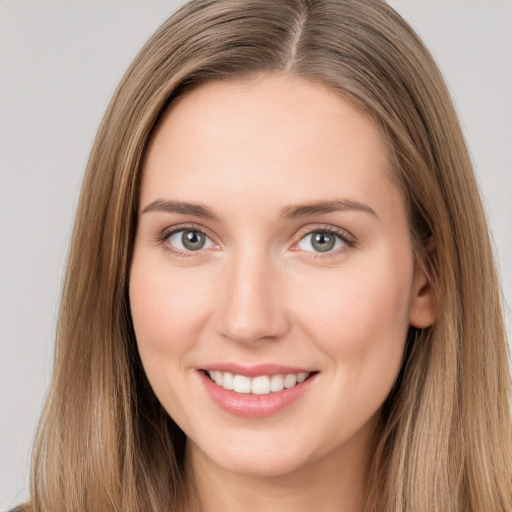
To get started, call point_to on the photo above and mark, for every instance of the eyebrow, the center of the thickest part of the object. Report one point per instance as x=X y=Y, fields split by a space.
x=317 y=208
x=169 y=206
x=288 y=212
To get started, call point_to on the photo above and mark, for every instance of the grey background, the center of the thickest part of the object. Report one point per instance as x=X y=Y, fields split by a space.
x=59 y=64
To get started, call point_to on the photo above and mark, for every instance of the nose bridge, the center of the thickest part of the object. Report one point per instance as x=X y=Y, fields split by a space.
x=251 y=305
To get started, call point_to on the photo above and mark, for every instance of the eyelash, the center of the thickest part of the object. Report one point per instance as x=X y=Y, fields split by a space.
x=162 y=239
x=347 y=240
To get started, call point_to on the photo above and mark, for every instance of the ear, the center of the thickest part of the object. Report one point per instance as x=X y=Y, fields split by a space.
x=423 y=312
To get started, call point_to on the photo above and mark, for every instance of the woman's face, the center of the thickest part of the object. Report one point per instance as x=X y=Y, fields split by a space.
x=272 y=246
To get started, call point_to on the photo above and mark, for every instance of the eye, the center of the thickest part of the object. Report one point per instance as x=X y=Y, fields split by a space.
x=189 y=240
x=321 y=241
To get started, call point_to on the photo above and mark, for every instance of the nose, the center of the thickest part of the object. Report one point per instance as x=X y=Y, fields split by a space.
x=251 y=305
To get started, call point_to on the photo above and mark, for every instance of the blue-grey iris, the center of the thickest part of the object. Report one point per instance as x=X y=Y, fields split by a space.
x=322 y=241
x=193 y=240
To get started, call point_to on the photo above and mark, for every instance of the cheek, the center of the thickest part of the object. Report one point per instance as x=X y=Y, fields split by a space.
x=359 y=320
x=161 y=298
x=358 y=315
x=168 y=307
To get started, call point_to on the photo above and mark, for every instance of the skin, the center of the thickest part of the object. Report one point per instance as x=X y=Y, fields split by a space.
x=258 y=292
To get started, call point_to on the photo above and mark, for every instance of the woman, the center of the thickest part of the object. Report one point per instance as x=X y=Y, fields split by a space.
x=273 y=299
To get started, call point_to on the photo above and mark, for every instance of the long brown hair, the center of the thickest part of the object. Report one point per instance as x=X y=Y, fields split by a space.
x=106 y=444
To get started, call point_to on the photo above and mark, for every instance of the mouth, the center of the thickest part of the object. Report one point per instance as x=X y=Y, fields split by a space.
x=257 y=385
x=256 y=392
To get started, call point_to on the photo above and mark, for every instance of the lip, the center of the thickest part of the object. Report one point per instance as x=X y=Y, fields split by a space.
x=255 y=370
x=254 y=406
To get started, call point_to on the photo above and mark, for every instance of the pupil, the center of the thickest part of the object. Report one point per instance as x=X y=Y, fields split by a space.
x=193 y=240
x=323 y=242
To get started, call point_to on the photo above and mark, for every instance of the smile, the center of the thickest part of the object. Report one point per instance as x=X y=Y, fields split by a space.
x=256 y=392
x=259 y=385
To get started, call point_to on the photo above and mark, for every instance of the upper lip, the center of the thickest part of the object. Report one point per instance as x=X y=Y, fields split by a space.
x=255 y=370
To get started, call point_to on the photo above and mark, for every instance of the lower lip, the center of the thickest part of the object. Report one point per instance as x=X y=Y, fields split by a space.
x=254 y=406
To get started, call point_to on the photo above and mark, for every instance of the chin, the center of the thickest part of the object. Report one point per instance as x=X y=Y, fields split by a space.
x=262 y=466
x=251 y=456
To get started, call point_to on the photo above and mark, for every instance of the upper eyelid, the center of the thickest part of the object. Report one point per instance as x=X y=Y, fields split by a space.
x=308 y=230
x=185 y=227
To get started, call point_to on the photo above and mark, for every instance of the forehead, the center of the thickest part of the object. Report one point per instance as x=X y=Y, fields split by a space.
x=272 y=138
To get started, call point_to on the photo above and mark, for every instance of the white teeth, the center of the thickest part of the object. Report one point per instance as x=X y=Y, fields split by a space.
x=228 y=381
x=276 y=383
x=261 y=385
x=218 y=378
x=290 y=380
x=301 y=377
x=241 y=384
